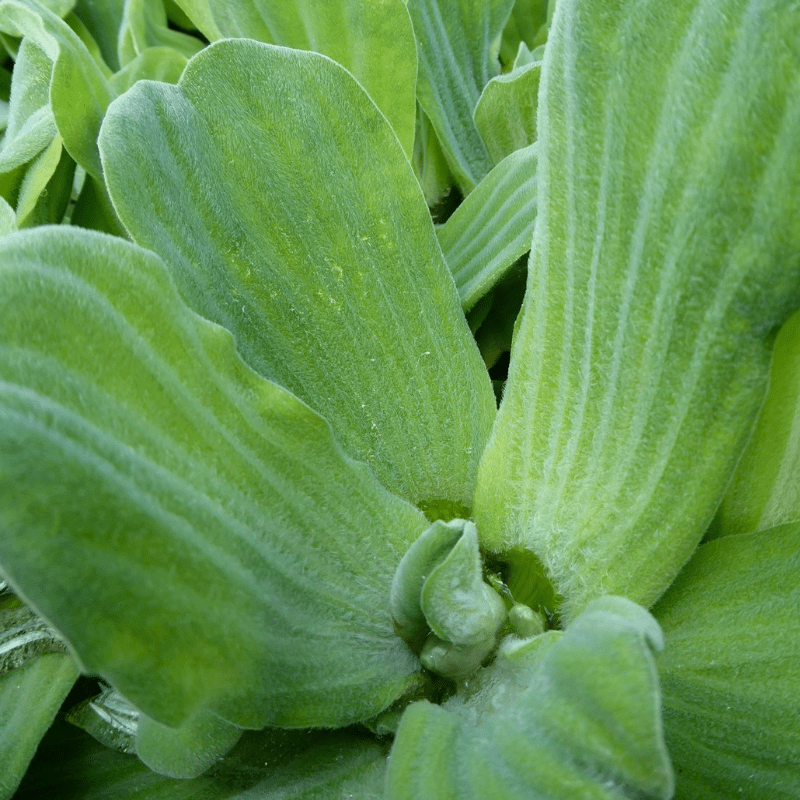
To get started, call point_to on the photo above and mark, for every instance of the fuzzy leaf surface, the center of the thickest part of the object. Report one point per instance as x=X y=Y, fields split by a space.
x=280 y=196
x=191 y=529
x=730 y=674
x=665 y=254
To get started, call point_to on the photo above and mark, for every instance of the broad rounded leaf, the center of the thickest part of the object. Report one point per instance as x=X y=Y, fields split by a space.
x=280 y=197
x=730 y=673
x=193 y=530
x=665 y=254
x=373 y=39
x=569 y=716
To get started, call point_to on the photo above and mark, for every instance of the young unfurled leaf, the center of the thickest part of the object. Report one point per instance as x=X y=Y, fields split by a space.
x=666 y=252
x=192 y=530
x=557 y=716
x=328 y=274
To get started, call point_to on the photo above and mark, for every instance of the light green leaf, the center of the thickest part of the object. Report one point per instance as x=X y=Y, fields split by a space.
x=31 y=127
x=523 y=27
x=79 y=90
x=199 y=12
x=8 y=218
x=192 y=530
x=571 y=716
x=457 y=43
x=765 y=489
x=426 y=553
x=373 y=39
x=458 y=605
x=251 y=180
x=665 y=254
x=45 y=191
x=492 y=228
x=506 y=112
x=188 y=751
x=144 y=25
x=29 y=699
x=153 y=64
x=430 y=165
x=93 y=209
x=731 y=670
x=267 y=765
x=103 y=20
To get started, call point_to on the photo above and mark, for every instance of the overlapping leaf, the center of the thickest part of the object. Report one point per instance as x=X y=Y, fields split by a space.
x=458 y=42
x=572 y=715
x=373 y=39
x=765 y=489
x=193 y=530
x=268 y=765
x=666 y=251
x=30 y=696
x=492 y=228
x=731 y=671
x=282 y=200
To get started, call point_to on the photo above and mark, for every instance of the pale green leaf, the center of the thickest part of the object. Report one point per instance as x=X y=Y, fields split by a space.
x=46 y=189
x=523 y=28
x=373 y=39
x=144 y=25
x=31 y=127
x=152 y=64
x=765 y=490
x=281 y=199
x=664 y=256
x=492 y=228
x=268 y=765
x=109 y=718
x=457 y=43
x=731 y=670
x=430 y=165
x=506 y=112
x=426 y=553
x=29 y=699
x=199 y=12
x=573 y=716
x=8 y=218
x=103 y=20
x=187 y=751
x=192 y=530
x=79 y=90
x=93 y=209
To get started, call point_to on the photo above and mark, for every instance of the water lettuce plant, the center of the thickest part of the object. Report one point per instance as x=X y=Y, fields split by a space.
x=382 y=399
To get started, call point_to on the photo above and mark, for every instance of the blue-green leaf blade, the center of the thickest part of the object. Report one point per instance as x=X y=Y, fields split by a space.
x=492 y=228
x=666 y=252
x=457 y=43
x=281 y=198
x=572 y=716
x=30 y=696
x=192 y=530
x=730 y=672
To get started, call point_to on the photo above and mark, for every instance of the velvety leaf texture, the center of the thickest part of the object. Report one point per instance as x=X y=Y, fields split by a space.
x=731 y=671
x=281 y=198
x=666 y=252
x=573 y=716
x=765 y=489
x=193 y=530
x=458 y=42
x=373 y=39
x=30 y=696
